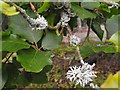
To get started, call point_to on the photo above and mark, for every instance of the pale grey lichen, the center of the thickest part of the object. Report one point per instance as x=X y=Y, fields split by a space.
x=74 y=40
x=66 y=6
x=60 y=5
x=82 y=75
x=114 y=4
x=94 y=86
x=39 y=23
x=64 y=19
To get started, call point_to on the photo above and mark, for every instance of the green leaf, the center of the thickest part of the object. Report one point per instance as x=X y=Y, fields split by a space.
x=41 y=77
x=12 y=73
x=20 y=26
x=100 y=46
x=7 y=9
x=104 y=48
x=15 y=77
x=3 y=76
x=13 y=43
x=104 y=7
x=22 y=80
x=3 y=54
x=81 y=12
x=97 y=29
x=95 y=47
x=115 y=38
x=51 y=19
x=44 y=7
x=112 y=24
x=108 y=1
x=84 y=51
x=33 y=61
x=2 y=33
x=90 y=5
x=51 y=40
x=112 y=81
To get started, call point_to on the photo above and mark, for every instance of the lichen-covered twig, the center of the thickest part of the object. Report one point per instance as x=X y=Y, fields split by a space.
x=39 y=23
x=23 y=12
x=89 y=27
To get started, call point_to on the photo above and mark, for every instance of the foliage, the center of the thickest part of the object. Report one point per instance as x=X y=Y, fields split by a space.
x=51 y=40
x=7 y=9
x=82 y=13
x=90 y=5
x=24 y=32
x=33 y=49
x=96 y=28
x=112 y=81
x=37 y=60
x=9 y=43
x=112 y=24
x=115 y=38
x=44 y=7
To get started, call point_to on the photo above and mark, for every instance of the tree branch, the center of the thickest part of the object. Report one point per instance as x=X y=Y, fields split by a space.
x=7 y=59
x=89 y=27
x=23 y=12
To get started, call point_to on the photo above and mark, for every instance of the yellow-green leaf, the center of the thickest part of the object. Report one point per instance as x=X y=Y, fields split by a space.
x=44 y=7
x=7 y=9
x=115 y=38
x=112 y=81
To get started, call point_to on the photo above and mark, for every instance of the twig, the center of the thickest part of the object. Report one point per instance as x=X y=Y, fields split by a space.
x=89 y=27
x=33 y=8
x=2 y=21
x=79 y=24
x=61 y=31
x=107 y=33
x=80 y=57
x=55 y=27
x=7 y=59
x=35 y=47
x=23 y=12
x=69 y=29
